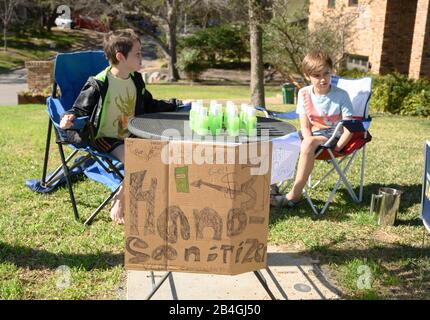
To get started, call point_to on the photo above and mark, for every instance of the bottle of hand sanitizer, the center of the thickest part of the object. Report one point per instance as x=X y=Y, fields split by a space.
x=251 y=122
x=215 y=118
x=233 y=126
x=195 y=106
x=202 y=123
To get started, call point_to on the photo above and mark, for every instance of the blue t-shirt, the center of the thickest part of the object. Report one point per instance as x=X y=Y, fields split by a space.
x=327 y=109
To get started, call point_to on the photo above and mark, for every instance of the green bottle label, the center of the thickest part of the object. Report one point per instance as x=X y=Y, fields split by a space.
x=181 y=179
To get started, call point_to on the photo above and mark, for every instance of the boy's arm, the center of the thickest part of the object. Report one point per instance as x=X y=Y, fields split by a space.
x=347 y=112
x=85 y=102
x=305 y=126
x=152 y=105
x=343 y=140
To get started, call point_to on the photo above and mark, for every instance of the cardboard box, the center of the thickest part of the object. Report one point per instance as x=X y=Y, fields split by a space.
x=196 y=207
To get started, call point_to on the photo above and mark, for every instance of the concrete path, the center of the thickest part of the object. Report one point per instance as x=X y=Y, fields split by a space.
x=10 y=84
x=290 y=276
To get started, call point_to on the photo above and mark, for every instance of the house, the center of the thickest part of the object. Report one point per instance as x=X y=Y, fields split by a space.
x=388 y=35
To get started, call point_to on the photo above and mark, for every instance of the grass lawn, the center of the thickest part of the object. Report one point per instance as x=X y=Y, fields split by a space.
x=207 y=92
x=33 y=47
x=38 y=233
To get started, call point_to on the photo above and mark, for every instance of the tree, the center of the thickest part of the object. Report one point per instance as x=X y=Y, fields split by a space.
x=162 y=14
x=256 y=13
x=287 y=37
x=7 y=9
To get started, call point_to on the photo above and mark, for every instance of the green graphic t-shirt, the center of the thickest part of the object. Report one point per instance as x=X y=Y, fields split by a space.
x=119 y=105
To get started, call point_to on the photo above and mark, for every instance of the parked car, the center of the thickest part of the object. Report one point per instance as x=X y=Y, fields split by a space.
x=64 y=23
x=87 y=22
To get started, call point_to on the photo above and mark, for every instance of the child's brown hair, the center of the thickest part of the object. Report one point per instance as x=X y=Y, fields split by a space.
x=315 y=61
x=119 y=41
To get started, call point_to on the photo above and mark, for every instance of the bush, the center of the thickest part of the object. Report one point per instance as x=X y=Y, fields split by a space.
x=218 y=44
x=190 y=62
x=397 y=94
x=417 y=104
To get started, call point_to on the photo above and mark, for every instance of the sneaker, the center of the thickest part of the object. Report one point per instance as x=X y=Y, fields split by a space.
x=281 y=201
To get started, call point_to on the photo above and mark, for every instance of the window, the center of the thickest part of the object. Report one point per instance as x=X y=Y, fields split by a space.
x=352 y=3
x=357 y=62
x=331 y=3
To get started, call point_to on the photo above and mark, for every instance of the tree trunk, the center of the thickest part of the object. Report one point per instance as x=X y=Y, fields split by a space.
x=51 y=20
x=172 y=10
x=256 y=44
x=4 y=38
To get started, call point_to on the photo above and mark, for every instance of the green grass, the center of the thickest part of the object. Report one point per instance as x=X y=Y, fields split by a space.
x=38 y=233
x=28 y=46
x=347 y=235
x=207 y=92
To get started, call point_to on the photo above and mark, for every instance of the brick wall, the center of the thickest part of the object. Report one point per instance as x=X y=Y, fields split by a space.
x=398 y=35
x=420 y=56
x=366 y=25
x=394 y=34
x=40 y=74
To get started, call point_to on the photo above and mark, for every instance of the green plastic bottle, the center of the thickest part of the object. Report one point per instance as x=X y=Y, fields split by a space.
x=243 y=115
x=215 y=119
x=251 y=122
x=193 y=114
x=233 y=124
x=202 y=123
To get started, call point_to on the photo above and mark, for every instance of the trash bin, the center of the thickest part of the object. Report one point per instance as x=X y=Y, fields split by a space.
x=288 y=93
x=385 y=204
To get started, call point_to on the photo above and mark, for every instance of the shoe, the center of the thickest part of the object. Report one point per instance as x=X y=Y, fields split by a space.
x=274 y=190
x=281 y=201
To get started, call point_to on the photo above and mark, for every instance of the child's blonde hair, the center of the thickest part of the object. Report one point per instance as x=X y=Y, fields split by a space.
x=316 y=61
x=119 y=41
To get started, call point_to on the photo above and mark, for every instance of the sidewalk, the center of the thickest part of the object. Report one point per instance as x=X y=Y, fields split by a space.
x=293 y=277
x=10 y=84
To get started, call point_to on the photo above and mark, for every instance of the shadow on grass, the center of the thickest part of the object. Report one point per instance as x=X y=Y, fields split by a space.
x=337 y=211
x=32 y=259
x=410 y=265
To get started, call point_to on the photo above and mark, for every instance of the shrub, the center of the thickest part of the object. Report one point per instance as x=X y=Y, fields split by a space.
x=397 y=94
x=417 y=104
x=218 y=44
x=190 y=62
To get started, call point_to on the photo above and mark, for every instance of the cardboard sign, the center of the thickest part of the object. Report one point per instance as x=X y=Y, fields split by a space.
x=425 y=198
x=195 y=207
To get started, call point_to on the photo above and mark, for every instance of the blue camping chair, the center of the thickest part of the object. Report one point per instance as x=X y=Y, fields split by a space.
x=71 y=71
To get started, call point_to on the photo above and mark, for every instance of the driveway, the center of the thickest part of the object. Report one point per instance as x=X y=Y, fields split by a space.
x=10 y=84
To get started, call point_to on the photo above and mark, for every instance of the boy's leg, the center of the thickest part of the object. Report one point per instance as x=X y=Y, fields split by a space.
x=305 y=165
x=117 y=209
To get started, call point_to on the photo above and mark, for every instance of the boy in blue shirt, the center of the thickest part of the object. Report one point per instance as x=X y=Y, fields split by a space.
x=321 y=107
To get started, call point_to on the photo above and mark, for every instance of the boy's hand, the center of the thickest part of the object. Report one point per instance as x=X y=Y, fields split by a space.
x=67 y=121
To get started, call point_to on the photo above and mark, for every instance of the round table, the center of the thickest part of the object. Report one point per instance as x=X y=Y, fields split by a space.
x=161 y=125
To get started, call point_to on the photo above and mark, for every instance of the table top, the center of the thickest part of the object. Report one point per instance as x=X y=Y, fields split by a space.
x=175 y=126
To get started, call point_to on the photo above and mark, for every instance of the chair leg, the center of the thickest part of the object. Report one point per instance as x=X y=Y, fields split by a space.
x=313 y=207
x=263 y=282
x=47 y=147
x=101 y=206
x=342 y=176
x=363 y=160
x=157 y=285
x=68 y=180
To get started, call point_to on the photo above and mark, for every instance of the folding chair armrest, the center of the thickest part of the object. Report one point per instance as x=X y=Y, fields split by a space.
x=267 y=113
x=329 y=142
x=282 y=115
x=184 y=107
x=355 y=125
x=79 y=123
